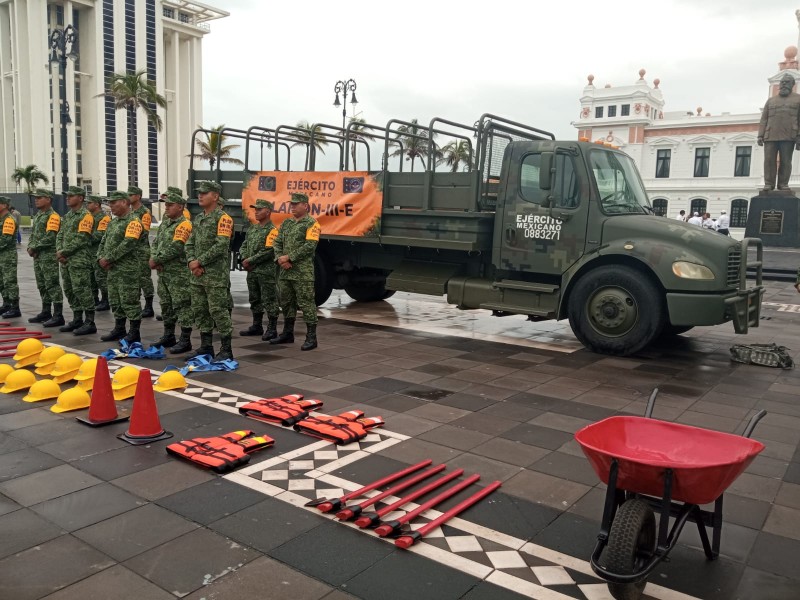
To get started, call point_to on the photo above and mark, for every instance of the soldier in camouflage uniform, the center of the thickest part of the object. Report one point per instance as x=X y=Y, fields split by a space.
x=141 y=212
x=168 y=258
x=119 y=256
x=73 y=251
x=294 y=251
x=8 y=260
x=258 y=259
x=42 y=247
x=207 y=253
x=99 y=283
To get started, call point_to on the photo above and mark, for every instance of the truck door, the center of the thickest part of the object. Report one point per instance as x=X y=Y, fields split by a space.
x=538 y=239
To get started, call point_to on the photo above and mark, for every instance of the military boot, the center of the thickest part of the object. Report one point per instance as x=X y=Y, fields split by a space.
x=311 y=337
x=102 y=306
x=206 y=345
x=148 y=311
x=256 y=328
x=88 y=325
x=57 y=319
x=167 y=340
x=184 y=343
x=133 y=332
x=272 y=329
x=42 y=316
x=77 y=321
x=12 y=311
x=6 y=306
x=117 y=333
x=225 y=350
x=287 y=335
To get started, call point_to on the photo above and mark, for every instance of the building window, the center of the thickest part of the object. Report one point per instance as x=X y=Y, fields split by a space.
x=739 y=213
x=742 y=166
x=660 y=207
x=184 y=18
x=598 y=112
x=663 y=158
x=701 y=158
x=169 y=12
x=698 y=205
x=612 y=111
x=625 y=110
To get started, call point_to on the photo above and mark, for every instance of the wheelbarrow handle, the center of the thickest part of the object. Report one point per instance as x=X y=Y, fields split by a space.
x=748 y=431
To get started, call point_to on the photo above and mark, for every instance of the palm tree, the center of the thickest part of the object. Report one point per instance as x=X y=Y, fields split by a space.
x=415 y=142
x=213 y=148
x=303 y=133
x=455 y=153
x=134 y=92
x=31 y=175
x=357 y=134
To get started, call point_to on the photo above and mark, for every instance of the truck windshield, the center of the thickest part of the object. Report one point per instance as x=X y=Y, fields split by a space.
x=621 y=190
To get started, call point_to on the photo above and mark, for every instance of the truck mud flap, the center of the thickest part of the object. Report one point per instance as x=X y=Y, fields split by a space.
x=421 y=277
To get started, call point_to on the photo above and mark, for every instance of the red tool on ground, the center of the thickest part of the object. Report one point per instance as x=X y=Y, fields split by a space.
x=371 y=519
x=409 y=538
x=351 y=512
x=11 y=330
x=393 y=527
x=325 y=505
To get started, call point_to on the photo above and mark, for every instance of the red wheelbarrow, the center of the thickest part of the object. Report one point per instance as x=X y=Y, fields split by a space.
x=656 y=466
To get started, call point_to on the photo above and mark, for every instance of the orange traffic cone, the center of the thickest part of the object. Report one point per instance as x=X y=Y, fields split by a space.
x=102 y=410
x=145 y=426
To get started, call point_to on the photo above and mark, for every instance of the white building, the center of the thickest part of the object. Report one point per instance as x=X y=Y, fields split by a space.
x=688 y=160
x=114 y=36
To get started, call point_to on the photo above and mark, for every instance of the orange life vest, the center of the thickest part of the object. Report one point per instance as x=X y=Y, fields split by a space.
x=343 y=428
x=222 y=453
x=286 y=411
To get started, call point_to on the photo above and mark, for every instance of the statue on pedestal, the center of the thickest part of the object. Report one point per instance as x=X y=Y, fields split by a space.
x=779 y=133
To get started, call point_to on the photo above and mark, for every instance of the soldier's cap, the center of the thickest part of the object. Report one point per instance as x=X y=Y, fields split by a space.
x=74 y=190
x=174 y=190
x=42 y=193
x=298 y=198
x=93 y=198
x=5 y=200
x=208 y=186
x=132 y=189
x=118 y=195
x=263 y=204
x=174 y=199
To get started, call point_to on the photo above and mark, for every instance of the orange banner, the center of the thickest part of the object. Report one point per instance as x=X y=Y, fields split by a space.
x=343 y=203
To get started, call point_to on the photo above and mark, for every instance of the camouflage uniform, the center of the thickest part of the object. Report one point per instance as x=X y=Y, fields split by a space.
x=99 y=275
x=209 y=244
x=169 y=253
x=8 y=263
x=120 y=246
x=144 y=215
x=298 y=240
x=42 y=242
x=258 y=251
x=73 y=243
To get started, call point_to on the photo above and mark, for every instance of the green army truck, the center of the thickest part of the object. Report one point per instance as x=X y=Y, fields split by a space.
x=525 y=225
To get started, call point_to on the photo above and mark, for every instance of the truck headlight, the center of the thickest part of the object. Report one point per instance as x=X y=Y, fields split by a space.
x=687 y=270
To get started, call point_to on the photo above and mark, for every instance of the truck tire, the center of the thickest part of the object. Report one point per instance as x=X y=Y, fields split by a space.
x=323 y=280
x=616 y=310
x=670 y=330
x=368 y=292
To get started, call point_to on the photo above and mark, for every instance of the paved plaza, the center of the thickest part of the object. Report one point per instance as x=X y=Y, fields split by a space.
x=84 y=515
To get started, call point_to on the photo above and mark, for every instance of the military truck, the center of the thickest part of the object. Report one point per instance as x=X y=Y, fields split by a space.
x=525 y=224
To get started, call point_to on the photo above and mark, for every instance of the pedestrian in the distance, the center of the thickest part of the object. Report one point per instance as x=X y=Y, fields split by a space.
x=723 y=223
x=42 y=247
x=258 y=259
x=295 y=246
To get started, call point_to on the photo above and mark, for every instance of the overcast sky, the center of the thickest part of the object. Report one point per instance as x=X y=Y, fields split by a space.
x=272 y=63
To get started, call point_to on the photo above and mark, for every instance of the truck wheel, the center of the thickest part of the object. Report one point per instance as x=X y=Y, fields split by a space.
x=323 y=281
x=670 y=330
x=615 y=310
x=631 y=544
x=368 y=293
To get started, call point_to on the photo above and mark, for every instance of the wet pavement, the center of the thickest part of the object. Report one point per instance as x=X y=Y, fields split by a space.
x=85 y=515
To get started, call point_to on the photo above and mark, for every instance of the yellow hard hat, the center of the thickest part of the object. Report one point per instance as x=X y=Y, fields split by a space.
x=26 y=362
x=69 y=363
x=46 y=369
x=124 y=377
x=171 y=380
x=21 y=379
x=28 y=347
x=85 y=384
x=87 y=370
x=5 y=371
x=72 y=399
x=125 y=392
x=46 y=389
x=49 y=356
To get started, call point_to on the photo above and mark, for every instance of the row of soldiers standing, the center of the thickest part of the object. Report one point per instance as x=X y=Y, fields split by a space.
x=95 y=253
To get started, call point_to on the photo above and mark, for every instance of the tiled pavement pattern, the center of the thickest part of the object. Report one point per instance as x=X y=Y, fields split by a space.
x=113 y=521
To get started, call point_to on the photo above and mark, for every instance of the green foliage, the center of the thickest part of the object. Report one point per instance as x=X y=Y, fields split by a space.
x=415 y=141
x=214 y=148
x=454 y=154
x=31 y=175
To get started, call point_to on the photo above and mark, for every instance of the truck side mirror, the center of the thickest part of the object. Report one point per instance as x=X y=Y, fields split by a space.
x=546 y=167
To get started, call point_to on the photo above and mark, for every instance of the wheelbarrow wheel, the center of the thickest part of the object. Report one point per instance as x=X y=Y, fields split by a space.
x=631 y=544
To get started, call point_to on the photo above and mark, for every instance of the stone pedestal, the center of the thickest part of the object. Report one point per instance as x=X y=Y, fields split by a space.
x=775 y=218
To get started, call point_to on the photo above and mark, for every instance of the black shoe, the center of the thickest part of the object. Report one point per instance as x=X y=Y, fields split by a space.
x=206 y=345
x=117 y=333
x=133 y=333
x=256 y=328
x=272 y=329
x=148 y=311
x=311 y=338
x=184 y=343
x=12 y=312
x=76 y=322
x=225 y=351
x=6 y=306
x=167 y=340
x=57 y=319
x=287 y=335
x=87 y=328
x=103 y=305
x=42 y=316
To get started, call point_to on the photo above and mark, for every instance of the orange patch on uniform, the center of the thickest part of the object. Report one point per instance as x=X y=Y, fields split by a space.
x=9 y=226
x=103 y=224
x=146 y=220
x=133 y=230
x=53 y=223
x=182 y=232
x=312 y=233
x=270 y=241
x=86 y=225
x=225 y=226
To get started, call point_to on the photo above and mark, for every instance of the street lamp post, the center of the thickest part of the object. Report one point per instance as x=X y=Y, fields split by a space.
x=342 y=87
x=63 y=45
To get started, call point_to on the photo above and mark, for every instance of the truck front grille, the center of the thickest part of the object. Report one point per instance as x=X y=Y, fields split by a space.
x=734 y=261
